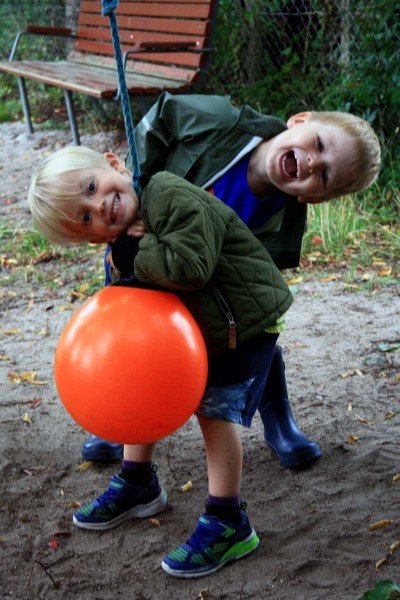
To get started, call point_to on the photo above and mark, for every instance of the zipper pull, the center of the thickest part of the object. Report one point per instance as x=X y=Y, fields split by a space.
x=232 y=332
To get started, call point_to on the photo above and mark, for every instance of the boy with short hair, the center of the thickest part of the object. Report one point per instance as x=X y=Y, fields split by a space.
x=267 y=171
x=191 y=243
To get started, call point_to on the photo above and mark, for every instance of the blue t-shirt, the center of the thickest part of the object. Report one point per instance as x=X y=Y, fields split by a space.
x=232 y=188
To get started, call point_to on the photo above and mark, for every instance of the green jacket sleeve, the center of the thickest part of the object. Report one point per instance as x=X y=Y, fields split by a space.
x=185 y=235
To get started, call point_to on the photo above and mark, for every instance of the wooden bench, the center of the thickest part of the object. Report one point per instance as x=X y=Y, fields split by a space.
x=165 y=44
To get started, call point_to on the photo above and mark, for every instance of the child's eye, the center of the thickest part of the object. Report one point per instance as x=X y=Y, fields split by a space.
x=87 y=217
x=91 y=187
x=320 y=144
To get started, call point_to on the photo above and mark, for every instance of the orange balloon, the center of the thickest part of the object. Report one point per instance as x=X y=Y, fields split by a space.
x=131 y=365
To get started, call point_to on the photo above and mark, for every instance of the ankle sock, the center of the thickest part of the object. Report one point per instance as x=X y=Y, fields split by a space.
x=227 y=507
x=136 y=472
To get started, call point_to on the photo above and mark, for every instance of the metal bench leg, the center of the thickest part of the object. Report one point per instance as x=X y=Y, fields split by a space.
x=69 y=103
x=25 y=105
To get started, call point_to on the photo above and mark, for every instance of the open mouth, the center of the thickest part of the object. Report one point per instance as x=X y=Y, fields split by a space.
x=115 y=207
x=289 y=165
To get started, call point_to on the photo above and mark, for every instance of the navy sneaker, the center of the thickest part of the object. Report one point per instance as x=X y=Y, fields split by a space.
x=97 y=449
x=214 y=543
x=120 y=502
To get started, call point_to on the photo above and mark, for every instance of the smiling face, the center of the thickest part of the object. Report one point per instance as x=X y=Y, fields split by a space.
x=311 y=160
x=107 y=204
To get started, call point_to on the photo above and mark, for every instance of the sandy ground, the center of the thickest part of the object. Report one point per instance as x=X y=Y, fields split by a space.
x=313 y=525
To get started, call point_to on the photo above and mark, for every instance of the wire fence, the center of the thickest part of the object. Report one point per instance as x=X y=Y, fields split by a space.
x=279 y=56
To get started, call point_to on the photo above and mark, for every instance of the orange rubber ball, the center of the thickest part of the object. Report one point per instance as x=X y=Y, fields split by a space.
x=131 y=365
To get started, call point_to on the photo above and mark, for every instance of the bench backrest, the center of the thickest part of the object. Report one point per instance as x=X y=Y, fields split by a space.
x=142 y=22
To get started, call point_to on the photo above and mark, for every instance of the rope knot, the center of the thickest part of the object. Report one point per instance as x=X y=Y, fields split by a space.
x=108 y=6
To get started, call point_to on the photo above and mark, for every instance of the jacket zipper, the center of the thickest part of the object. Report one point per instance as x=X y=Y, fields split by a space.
x=226 y=311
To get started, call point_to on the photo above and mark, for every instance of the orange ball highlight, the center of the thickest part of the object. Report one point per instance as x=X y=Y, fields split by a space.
x=131 y=365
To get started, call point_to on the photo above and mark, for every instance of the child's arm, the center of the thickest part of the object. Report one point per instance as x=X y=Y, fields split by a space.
x=185 y=236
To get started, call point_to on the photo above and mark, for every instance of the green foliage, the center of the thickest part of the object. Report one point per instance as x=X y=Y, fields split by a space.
x=383 y=590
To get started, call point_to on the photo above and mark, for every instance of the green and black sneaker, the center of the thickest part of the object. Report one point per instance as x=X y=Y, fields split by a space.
x=214 y=543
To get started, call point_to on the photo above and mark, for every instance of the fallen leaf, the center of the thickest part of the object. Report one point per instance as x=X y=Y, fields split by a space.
x=26 y=419
x=201 y=593
x=8 y=262
x=378 y=263
x=26 y=376
x=385 y=272
x=53 y=544
x=4 y=358
x=2 y=539
x=85 y=465
x=351 y=373
x=329 y=278
x=65 y=307
x=366 y=276
x=352 y=438
x=362 y=420
x=74 y=504
x=380 y=524
x=187 y=486
x=316 y=240
x=389 y=415
x=294 y=280
x=154 y=522
x=394 y=547
x=35 y=402
x=396 y=478
x=380 y=562
x=45 y=256
x=15 y=331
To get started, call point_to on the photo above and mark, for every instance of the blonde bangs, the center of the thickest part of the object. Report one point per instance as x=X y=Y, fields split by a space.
x=48 y=192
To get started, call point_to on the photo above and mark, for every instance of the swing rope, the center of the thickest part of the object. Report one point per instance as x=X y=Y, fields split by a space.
x=108 y=8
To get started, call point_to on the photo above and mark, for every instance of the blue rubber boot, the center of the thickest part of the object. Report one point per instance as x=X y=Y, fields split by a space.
x=281 y=433
x=99 y=450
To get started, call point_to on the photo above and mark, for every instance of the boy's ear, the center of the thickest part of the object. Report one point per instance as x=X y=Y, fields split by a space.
x=298 y=118
x=115 y=162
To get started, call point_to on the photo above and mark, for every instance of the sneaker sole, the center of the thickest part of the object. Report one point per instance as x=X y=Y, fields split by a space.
x=240 y=550
x=138 y=512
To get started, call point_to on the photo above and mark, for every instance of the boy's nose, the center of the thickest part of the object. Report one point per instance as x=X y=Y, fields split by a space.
x=314 y=163
x=100 y=206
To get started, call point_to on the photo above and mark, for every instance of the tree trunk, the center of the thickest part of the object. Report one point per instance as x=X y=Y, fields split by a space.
x=71 y=13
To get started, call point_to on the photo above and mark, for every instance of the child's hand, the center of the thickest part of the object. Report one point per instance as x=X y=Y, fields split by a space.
x=137 y=229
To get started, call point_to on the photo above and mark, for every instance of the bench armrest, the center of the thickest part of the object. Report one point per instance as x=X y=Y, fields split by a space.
x=149 y=47
x=48 y=30
x=39 y=30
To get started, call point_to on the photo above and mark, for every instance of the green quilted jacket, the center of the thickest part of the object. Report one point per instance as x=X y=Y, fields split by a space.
x=199 y=247
x=197 y=136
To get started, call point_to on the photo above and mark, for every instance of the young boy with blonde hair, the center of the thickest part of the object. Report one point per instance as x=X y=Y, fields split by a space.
x=267 y=171
x=191 y=243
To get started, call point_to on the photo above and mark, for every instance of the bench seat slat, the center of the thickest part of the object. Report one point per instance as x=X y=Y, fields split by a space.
x=94 y=81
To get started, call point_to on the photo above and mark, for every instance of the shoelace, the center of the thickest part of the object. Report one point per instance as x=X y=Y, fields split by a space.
x=112 y=493
x=202 y=536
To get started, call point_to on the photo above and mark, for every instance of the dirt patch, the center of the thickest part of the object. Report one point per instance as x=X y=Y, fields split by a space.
x=313 y=524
